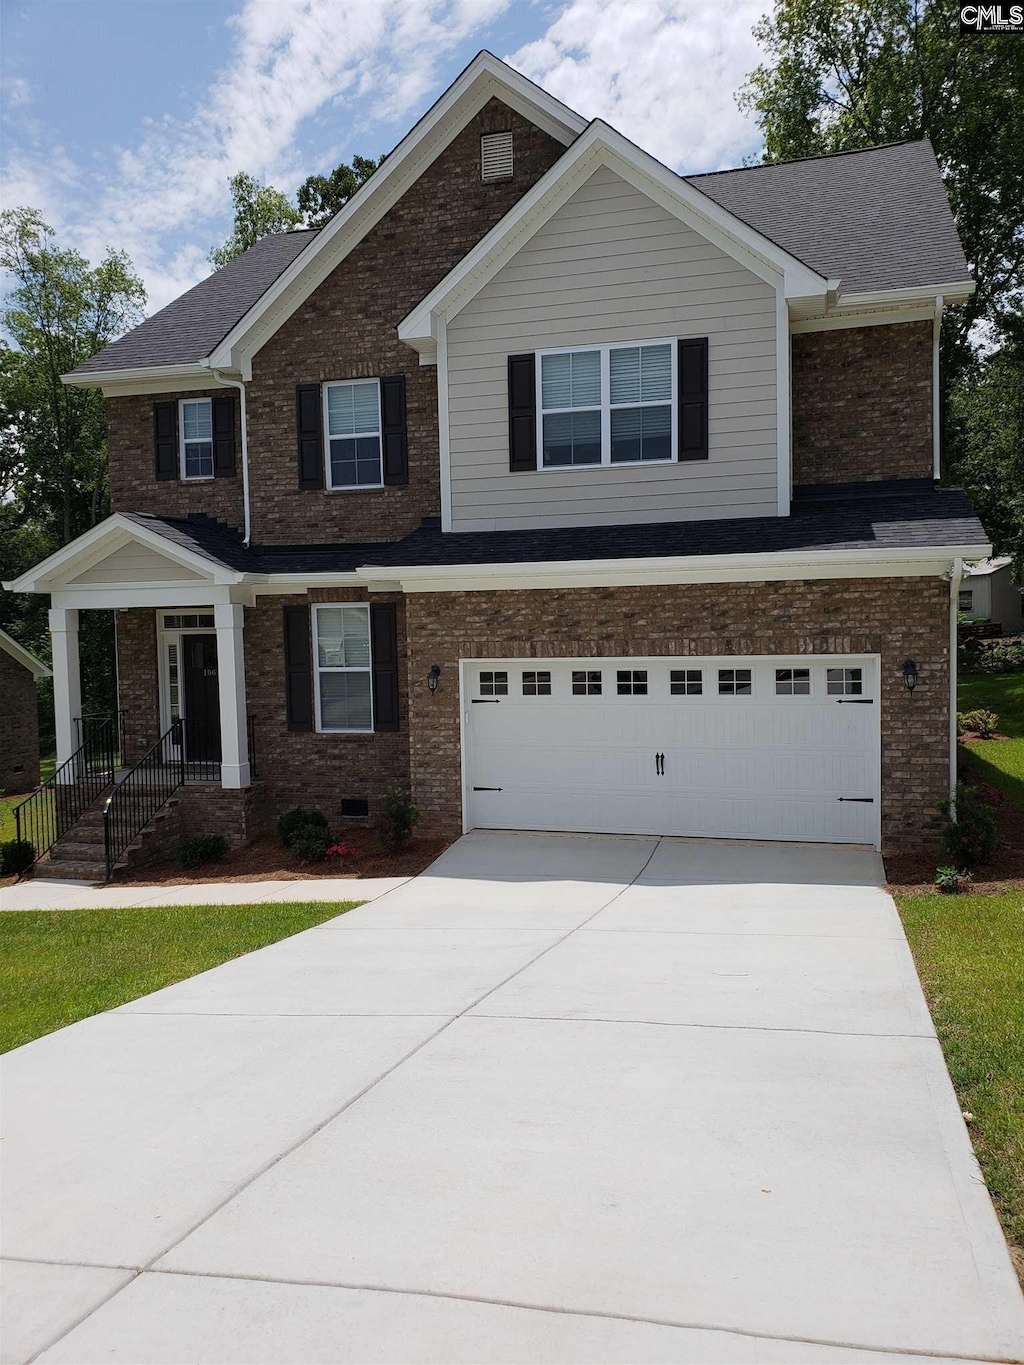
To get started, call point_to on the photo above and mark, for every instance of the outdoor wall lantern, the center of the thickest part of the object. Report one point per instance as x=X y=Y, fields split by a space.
x=910 y=675
x=434 y=677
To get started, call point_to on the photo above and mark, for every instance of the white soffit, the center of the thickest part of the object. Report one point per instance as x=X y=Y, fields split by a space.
x=485 y=78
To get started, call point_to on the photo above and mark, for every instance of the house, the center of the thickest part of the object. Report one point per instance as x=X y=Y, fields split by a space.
x=571 y=492
x=19 y=716
x=988 y=593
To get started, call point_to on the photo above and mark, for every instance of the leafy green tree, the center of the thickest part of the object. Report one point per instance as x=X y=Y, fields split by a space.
x=58 y=311
x=846 y=74
x=321 y=196
x=259 y=211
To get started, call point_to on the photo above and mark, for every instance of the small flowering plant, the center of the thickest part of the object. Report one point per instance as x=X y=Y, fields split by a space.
x=342 y=853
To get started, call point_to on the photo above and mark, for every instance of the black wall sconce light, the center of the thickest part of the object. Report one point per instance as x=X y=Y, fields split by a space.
x=434 y=677
x=910 y=675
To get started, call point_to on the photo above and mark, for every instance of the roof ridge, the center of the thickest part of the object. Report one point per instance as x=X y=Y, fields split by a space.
x=821 y=156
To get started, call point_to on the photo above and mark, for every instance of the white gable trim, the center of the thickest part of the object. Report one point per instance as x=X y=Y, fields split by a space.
x=484 y=78
x=21 y=655
x=59 y=569
x=600 y=146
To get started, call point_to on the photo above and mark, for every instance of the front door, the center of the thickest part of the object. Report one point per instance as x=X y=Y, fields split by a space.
x=202 y=699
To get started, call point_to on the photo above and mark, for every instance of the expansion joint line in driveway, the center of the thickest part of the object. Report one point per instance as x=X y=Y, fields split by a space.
x=354 y=1099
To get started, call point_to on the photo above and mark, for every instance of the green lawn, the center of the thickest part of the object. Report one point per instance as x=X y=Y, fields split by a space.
x=57 y=966
x=998 y=761
x=969 y=952
x=7 y=803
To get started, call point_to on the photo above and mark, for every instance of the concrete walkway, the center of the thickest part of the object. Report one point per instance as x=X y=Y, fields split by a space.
x=560 y=1099
x=40 y=894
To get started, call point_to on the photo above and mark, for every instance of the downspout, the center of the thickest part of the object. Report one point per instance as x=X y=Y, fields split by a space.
x=936 y=405
x=240 y=386
x=955 y=579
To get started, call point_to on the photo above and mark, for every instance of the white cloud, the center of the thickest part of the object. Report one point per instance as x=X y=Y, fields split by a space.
x=17 y=91
x=664 y=72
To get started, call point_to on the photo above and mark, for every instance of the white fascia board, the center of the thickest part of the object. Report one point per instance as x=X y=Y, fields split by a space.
x=483 y=79
x=602 y=145
x=756 y=568
x=22 y=656
x=143 y=379
x=73 y=559
x=951 y=293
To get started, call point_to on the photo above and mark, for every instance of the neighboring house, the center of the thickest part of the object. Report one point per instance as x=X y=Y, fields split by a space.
x=19 y=716
x=988 y=593
x=573 y=493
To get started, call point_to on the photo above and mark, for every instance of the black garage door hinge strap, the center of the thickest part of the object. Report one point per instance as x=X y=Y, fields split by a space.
x=863 y=800
x=485 y=701
x=487 y=789
x=855 y=701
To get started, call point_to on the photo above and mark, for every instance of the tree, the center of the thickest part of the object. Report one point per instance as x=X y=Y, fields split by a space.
x=53 y=467
x=259 y=210
x=321 y=196
x=847 y=74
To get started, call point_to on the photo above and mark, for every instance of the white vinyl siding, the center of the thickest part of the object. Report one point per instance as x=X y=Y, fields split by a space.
x=612 y=267
x=135 y=564
x=341 y=654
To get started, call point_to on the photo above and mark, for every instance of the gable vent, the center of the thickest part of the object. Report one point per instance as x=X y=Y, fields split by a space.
x=496 y=156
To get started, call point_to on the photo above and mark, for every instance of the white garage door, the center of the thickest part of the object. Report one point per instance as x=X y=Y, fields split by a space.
x=766 y=748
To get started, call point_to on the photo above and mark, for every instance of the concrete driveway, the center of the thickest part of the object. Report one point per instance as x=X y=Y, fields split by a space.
x=560 y=1099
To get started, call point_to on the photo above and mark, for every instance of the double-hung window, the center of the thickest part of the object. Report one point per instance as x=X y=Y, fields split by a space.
x=607 y=405
x=196 y=426
x=341 y=648
x=353 y=435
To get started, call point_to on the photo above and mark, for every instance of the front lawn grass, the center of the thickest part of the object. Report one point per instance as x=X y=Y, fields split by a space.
x=1001 y=763
x=969 y=952
x=57 y=966
x=1002 y=693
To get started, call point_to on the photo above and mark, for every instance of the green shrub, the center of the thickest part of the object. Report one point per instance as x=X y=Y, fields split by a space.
x=980 y=722
x=970 y=836
x=398 y=818
x=202 y=848
x=295 y=822
x=951 y=881
x=16 y=857
x=1007 y=657
x=309 y=845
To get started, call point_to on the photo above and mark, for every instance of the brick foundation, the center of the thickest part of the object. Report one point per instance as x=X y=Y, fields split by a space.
x=19 y=727
x=896 y=618
x=208 y=808
x=862 y=404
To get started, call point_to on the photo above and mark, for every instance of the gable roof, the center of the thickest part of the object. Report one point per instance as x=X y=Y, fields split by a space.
x=876 y=219
x=21 y=655
x=187 y=330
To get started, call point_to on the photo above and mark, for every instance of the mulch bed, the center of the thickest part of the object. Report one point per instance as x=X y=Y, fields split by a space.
x=266 y=860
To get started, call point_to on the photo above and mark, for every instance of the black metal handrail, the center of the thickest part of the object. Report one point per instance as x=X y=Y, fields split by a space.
x=85 y=723
x=203 y=753
x=143 y=791
x=54 y=806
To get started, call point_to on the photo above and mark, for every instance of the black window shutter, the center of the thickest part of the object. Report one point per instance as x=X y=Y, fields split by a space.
x=693 y=399
x=309 y=434
x=224 y=438
x=393 y=429
x=165 y=439
x=522 y=413
x=384 y=655
x=298 y=668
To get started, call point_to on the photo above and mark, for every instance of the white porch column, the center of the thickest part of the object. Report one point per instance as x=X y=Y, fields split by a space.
x=67 y=681
x=234 y=740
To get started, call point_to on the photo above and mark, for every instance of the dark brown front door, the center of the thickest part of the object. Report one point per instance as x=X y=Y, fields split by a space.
x=202 y=700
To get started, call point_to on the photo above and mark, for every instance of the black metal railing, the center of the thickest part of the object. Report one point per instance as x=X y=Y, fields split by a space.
x=85 y=725
x=62 y=799
x=250 y=733
x=143 y=790
x=203 y=754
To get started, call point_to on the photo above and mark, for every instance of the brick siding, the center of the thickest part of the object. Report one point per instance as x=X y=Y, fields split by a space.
x=896 y=618
x=862 y=404
x=19 y=727
x=138 y=691
x=134 y=486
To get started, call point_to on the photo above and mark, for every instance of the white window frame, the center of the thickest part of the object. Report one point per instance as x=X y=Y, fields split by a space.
x=317 y=670
x=355 y=435
x=605 y=407
x=194 y=478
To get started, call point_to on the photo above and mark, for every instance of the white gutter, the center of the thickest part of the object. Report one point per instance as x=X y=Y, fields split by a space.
x=240 y=386
x=936 y=407
x=955 y=580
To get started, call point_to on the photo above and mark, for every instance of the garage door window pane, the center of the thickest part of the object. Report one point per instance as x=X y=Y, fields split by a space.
x=793 y=682
x=494 y=684
x=586 y=684
x=734 y=682
x=631 y=682
x=845 y=682
x=536 y=684
x=686 y=682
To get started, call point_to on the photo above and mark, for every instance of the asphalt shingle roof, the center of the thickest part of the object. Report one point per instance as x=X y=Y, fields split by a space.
x=888 y=517
x=877 y=219
x=188 y=329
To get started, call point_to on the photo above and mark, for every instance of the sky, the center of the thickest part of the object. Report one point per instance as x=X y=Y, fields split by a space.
x=122 y=120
